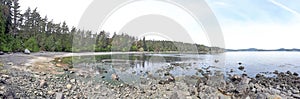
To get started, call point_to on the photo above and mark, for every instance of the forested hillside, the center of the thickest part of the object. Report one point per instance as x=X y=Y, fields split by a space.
x=30 y=30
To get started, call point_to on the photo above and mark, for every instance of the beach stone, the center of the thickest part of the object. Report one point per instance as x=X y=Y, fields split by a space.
x=153 y=87
x=43 y=83
x=59 y=95
x=50 y=92
x=168 y=80
x=295 y=74
x=261 y=96
x=69 y=86
x=296 y=96
x=248 y=97
x=72 y=72
x=10 y=63
x=276 y=72
x=5 y=76
x=253 y=89
x=26 y=51
x=277 y=97
x=275 y=91
x=104 y=93
x=295 y=91
x=236 y=78
x=73 y=80
x=245 y=80
x=1 y=53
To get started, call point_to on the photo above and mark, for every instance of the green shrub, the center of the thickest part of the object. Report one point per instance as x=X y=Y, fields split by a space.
x=32 y=44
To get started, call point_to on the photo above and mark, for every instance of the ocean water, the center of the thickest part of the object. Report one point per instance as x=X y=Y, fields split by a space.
x=189 y=64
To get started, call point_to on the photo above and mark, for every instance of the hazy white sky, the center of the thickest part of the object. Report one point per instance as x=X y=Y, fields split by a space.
x=265 y=24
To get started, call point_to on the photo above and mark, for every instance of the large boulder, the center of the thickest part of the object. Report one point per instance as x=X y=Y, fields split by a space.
x=26 y=51
x=1 y=53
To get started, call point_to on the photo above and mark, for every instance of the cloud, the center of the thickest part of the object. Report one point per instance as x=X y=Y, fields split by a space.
x=58 y=10
x=245 y=23
x=262 y=35
x=258 y=24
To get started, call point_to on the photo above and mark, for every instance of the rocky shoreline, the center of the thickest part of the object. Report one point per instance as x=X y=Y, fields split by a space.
x=17 y=81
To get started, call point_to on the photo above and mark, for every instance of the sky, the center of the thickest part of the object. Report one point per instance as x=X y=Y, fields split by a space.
x=267 y=24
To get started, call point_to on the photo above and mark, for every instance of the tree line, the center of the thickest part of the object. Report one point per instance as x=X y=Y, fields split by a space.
x=30 y=30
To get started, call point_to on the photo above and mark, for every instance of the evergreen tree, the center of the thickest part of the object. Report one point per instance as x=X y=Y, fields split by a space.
x=32 y=44
x=2 y=31
x=144 y=44
x=16 y=16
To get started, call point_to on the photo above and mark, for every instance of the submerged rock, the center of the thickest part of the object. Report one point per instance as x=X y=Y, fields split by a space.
x=275 y=72
x=240 y=63
x=114 y=76
x=168 y=80
x=216 y=61
x=241 y=68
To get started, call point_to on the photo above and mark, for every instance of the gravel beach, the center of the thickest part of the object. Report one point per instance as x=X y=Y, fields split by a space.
x=37 y=76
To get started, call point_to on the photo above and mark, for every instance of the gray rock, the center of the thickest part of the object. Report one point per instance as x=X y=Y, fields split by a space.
x=247 y=97
x=153 y=87
x=251 y=85
x=10 y=63
x=241 y=68
x=69 y=86
x=72 y=72
x=2 y=92
x=73 y=80
x=26 y=51
x=295 y=91
x=43 y=83
x=296 y=96
x=289 y=93
x=5 y=76
x=275 y=91
x=253 y=90
x=59 y=95
x=245 y=80
x=1 y=53
x=50 y=92
x=261 y=96
x=104 y=93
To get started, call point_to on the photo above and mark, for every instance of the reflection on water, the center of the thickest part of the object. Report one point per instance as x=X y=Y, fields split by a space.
x=156 y=65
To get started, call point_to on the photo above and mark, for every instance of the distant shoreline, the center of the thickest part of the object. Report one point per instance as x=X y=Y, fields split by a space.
x=261 y=50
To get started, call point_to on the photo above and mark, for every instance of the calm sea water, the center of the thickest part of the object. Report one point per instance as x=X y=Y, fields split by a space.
x=256 y=62
x=188 y=64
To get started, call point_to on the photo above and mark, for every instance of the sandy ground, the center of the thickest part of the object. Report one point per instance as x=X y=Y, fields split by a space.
x=20 y=59
x=42 y=61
